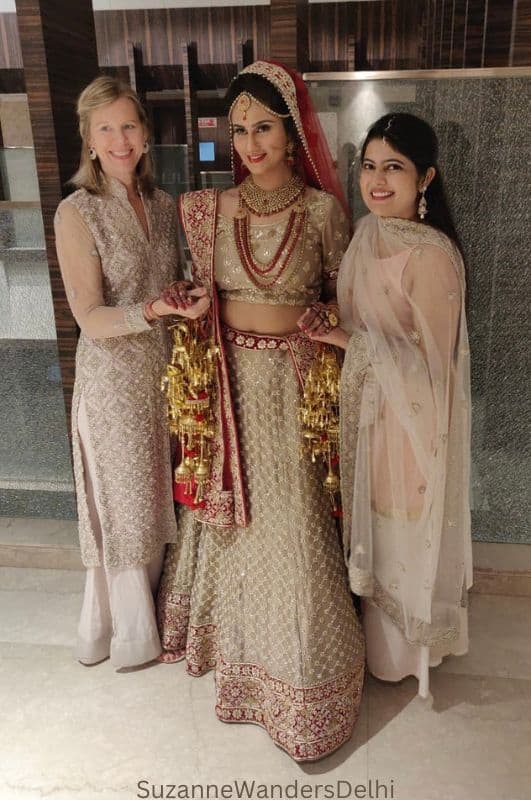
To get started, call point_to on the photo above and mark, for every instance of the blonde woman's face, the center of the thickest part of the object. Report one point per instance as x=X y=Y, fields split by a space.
x=118 y=137
x=389 y=182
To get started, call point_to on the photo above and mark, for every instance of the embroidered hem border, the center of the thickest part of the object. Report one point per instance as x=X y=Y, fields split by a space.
x=308 y=723
x=424 y=633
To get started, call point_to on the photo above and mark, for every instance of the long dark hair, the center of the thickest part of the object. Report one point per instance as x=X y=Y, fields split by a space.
x=415 y=139
x=264 y=91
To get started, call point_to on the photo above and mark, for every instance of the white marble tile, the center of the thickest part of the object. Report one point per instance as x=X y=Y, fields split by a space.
x=48 y=581
x=472 y=743
x=36 y=617
x=105 y=729
x=89 y=733
x=500 y=644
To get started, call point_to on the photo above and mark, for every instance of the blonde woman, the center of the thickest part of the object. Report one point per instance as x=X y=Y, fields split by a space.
x=117 y=249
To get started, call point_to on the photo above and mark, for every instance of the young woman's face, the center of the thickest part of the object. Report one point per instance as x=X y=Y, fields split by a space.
x=118 y=137
x=389 y=182
x=260 y=140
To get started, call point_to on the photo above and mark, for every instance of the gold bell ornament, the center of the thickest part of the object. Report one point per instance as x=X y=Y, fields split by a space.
x=189 y=385
x=319 y=415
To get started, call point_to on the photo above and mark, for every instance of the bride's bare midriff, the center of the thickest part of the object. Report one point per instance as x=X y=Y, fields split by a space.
x=261 y=318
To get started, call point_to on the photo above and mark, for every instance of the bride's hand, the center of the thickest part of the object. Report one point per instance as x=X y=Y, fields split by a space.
x=191 y=302
x=177 y=295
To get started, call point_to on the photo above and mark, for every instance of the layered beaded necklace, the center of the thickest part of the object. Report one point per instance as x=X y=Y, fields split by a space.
x=264 y=203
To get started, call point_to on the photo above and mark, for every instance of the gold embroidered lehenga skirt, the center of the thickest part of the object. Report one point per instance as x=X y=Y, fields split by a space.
x=268 y=606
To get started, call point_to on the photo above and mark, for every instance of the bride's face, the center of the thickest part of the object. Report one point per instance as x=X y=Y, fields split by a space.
x=389 y=182
x=260 y=140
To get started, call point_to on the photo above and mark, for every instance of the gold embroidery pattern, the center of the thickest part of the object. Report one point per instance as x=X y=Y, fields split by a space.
x=308 y=723
x=315 y=259
x=117 y=378
x=201 y=649
x=173 y=615
x=276 y=632
x=353 y=376
x=423 y=633
x=223 y=505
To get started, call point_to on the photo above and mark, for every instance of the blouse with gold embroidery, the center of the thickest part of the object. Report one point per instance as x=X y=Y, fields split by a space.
x=315 y=259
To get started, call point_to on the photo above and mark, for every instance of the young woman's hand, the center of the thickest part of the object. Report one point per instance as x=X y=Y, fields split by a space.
x=313 y=320
x=337 y=337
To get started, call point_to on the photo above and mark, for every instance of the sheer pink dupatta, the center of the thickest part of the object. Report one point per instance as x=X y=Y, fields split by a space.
x=407 y=524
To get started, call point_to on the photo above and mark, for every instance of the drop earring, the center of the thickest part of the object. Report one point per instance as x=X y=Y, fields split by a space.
x=290 y=157
x=145 y=149
x=92 y=154
x=422 y=210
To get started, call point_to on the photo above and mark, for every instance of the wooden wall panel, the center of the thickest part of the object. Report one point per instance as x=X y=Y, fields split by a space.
x=521 y=50
x=498 y=33
x=215 y=31
x=459 y=32
x=388 y=34
x=289 y=32
x=59 y=53
x=476 y=33
x=475 y=30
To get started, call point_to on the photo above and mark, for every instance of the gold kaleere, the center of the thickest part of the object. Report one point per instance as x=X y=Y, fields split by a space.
x=319 y=415
x=189 y=385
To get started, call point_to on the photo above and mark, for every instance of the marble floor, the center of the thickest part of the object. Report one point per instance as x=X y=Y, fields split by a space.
x=70 y=732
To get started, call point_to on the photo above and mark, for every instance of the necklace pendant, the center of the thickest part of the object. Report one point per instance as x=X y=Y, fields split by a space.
x=265 y=203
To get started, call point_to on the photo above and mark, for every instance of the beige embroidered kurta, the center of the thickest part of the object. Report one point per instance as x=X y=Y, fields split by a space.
x=110 y=269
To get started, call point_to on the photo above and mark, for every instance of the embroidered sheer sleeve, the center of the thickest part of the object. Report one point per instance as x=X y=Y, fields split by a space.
x=435 y=294
x=82 y=276
x=335 y=239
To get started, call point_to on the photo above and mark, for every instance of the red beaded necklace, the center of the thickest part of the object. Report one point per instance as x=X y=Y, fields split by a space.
x=295 y=230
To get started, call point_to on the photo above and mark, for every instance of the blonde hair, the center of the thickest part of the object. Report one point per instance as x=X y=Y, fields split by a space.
x=101 y=92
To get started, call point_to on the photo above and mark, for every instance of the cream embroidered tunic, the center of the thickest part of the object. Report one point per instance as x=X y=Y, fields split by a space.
x=110 y=269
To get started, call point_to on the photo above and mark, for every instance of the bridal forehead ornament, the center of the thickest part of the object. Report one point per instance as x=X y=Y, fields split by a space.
x=243 y=103
x=285 y=86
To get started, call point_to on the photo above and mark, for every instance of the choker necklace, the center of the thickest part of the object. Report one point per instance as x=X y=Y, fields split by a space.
x=264 y=203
